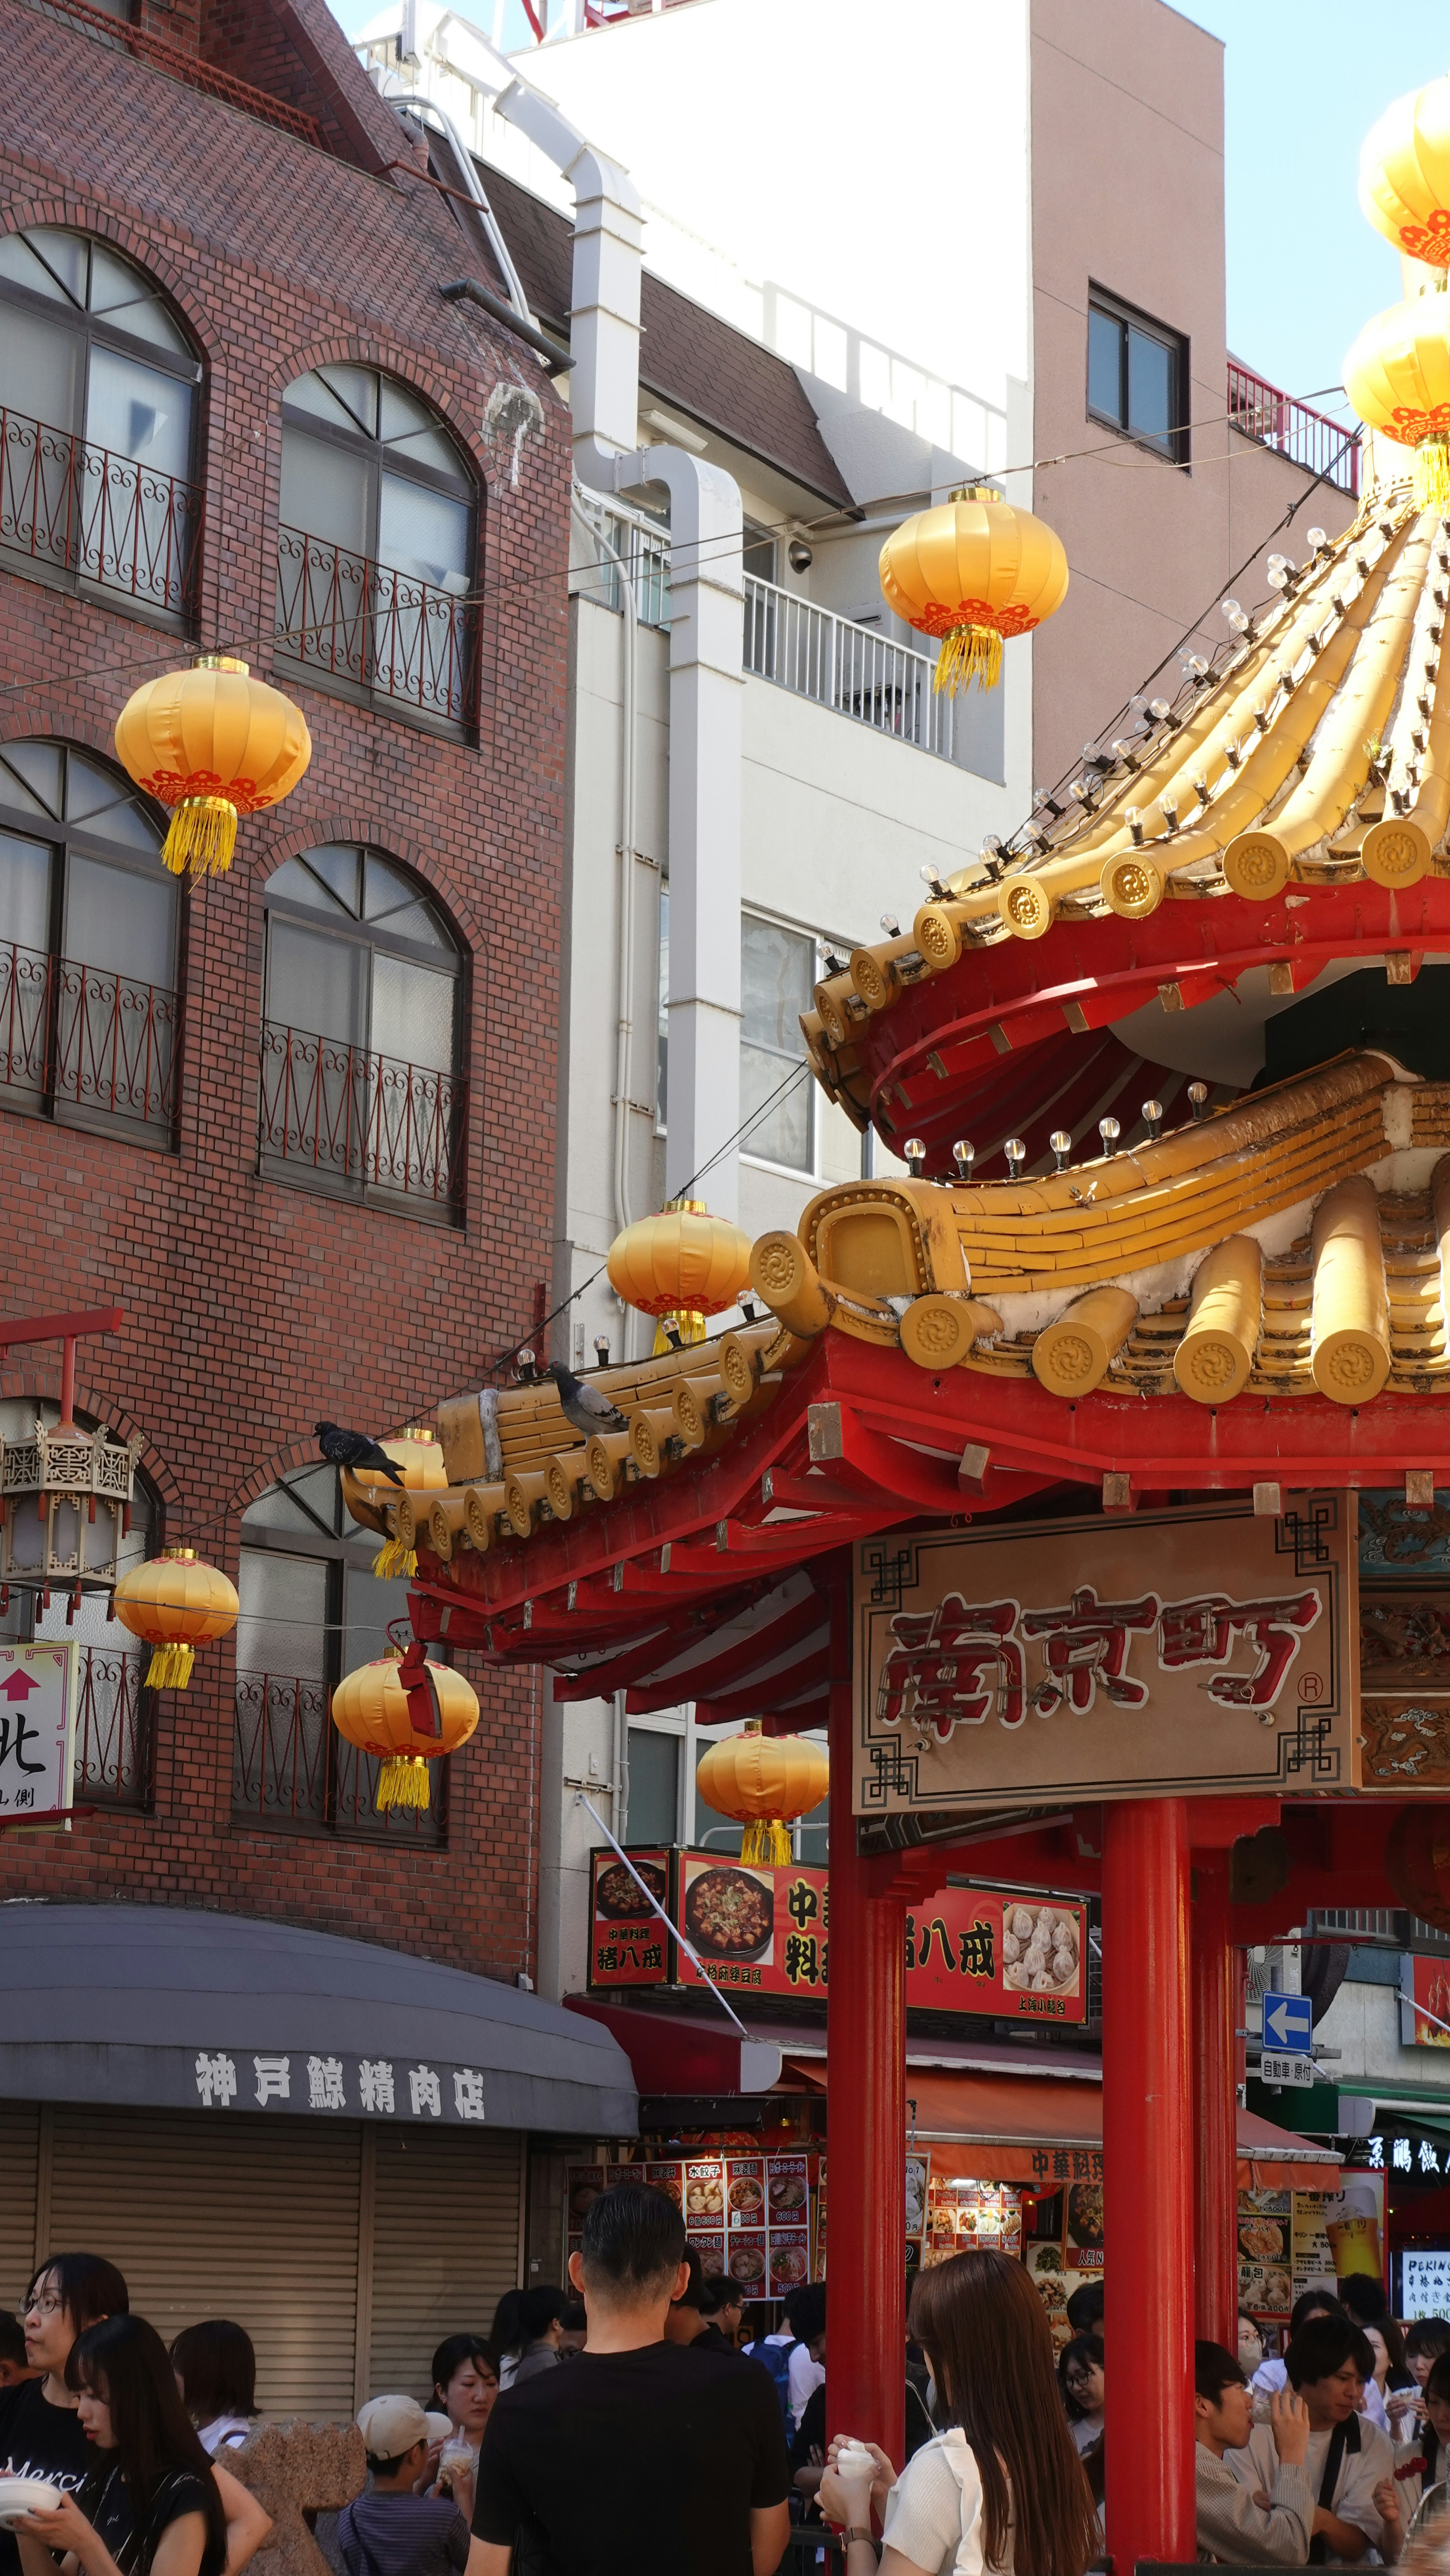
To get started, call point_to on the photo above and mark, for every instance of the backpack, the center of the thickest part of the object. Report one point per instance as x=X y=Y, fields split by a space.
x=775 y=2357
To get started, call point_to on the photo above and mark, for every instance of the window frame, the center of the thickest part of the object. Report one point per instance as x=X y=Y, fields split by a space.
x=812 y=1178
x=1175 y=449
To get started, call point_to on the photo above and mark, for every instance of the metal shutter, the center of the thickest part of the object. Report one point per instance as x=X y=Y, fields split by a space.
x=19 y=2130
x=446 y=2235
x=220 y=2215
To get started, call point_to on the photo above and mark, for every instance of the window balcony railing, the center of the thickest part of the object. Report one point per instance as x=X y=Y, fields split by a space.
x=290 y=1767
x=83 y=1041
x=70 y=507
x=1308 y=438
x=342 y=617
x=841 y=665
x=644 y=551
x=114 y=1730
x=369 y=1125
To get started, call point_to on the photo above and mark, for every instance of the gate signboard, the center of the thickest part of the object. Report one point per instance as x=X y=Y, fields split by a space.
x=1156 y=1654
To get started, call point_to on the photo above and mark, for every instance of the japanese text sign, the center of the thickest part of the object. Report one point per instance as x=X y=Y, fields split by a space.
x=1150 y=1654
x=37 y=1729
x=628 y=1944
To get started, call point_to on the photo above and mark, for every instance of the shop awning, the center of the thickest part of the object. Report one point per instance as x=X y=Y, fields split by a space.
x=171 y=2007
x=1007 y=2128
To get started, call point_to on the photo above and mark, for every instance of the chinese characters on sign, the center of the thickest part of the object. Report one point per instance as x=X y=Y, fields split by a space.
x=366 y=2085
x=37 y=1729
x=982 y=1673
x=1424 y=2284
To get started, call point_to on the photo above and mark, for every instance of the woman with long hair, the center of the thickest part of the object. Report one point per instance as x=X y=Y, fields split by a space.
x=506 y=2335
x=216 y=2371
x=154 y=2504
x=1002 y=2479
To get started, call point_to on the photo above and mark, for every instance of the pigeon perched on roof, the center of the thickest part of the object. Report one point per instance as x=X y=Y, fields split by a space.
x=586 y=1408
x=354 y=1449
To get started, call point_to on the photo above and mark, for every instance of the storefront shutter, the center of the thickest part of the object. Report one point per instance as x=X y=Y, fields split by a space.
x=19 y=2126
x=215 y=2214
x=446 y=2228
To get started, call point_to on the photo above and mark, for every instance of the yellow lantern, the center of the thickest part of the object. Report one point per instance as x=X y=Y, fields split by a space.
x=973 y=571
x=764 y=1781
x=211 y=743
x=419 y=1460
x=410 y=1711
x=175 y=1602
x=681 y=1265
x=1404 y=174
x=1397 y=376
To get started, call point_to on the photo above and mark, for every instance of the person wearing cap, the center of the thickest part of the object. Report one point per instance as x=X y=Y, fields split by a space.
x=390 y=2530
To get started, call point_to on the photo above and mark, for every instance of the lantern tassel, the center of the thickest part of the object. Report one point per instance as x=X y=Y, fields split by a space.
x=1432 y=472
x=766 y=1840
x=394 y=1558
x=171 y=1668
x=202 y=837
x=969 y=653
x=403 y=1782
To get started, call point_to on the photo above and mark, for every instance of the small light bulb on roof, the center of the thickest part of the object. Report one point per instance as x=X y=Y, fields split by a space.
x=1110 y=1131
x=1198 y=665
x=915 y=1152
x=1278 y=578
x=1016 y=1154
x=1160 y=708
x=1317 y=538
x=1231 y=609
x=1133 y=817
x=1061 y=1144
x=891 y=925
x=992 y=846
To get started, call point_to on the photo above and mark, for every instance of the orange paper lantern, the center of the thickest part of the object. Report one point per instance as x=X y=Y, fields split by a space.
x=211 y=743
x=410 y=1711
x=1404 y=174
x=175 y=1602
x=763 y=1781
x=1397 y=375
x=419 y=1460
x=683 y=1263
x=973 y=571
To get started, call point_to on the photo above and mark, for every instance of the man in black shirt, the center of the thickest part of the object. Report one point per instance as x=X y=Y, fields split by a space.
x=642 y=2458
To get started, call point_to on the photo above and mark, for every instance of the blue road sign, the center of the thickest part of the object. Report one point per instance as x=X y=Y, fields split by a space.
x=1289 y=2024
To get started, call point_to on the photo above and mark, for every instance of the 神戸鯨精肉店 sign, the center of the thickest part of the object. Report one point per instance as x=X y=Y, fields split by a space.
x=1152 y=1655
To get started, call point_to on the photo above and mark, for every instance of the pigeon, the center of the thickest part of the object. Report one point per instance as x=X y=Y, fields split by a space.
x=354 y=1449
x=586 y=1408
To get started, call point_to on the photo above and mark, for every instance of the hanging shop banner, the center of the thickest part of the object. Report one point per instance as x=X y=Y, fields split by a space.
x=1147 y=1654
x=37 y=1730
x=765 y=1930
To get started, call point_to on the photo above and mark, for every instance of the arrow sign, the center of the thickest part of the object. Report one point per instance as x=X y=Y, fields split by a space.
x=19 y=1686
x=1289 y=2023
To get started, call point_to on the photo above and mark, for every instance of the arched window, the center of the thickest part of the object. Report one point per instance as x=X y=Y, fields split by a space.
x=376 y=548
x=312 y=1610
x=97 y=385
x=361 y=1081
x=89 y=1014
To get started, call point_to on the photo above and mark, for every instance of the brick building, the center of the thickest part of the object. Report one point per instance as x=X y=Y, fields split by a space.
x=297 y=1120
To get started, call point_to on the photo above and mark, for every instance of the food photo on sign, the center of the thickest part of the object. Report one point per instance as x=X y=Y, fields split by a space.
x=628 y=1944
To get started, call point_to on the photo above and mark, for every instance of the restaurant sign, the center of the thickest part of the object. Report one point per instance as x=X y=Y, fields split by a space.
x=1152 y=1654
x=37 y=1730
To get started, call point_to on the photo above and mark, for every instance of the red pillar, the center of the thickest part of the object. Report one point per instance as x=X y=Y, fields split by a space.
x=1215 y=2062
x=866 y=2060
x=1147 y=2182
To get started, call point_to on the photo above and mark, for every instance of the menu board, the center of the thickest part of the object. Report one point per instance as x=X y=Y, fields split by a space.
x=766 y=1930
x=746 y=2215
x=963 y=2214
x=1266 y=2252
x=1292 y=2241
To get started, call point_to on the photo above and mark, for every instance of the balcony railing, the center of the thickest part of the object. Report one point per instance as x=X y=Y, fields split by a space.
x=84 y=1039
x=362 y=1123
x=75 y=508
x=643 y=550
x=291 y=1767
x=819 y=655
x=1306 y=437
x=343 y=617
x=114 y=1730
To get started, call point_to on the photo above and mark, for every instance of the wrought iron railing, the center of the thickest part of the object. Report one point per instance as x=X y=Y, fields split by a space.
x=819 y=655
x=343 y=616
x=114 y=1729
x=362 y=1122
x=78 y=508
x=291 y=1767
x=1307 y=437
x=83 y=1038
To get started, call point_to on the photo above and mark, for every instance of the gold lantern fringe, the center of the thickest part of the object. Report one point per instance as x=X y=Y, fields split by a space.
x=1432 y=472
x=688 y=1324
x=202 y=837
x=171 y=1668
x=403 y=1782
x=396 y=1556
x=969 y=653
x=766 y=1840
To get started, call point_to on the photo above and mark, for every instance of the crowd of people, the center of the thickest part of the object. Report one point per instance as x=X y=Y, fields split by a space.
x=681 y=2445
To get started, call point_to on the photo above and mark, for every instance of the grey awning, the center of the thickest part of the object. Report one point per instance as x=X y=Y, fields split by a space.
x=166 y=2005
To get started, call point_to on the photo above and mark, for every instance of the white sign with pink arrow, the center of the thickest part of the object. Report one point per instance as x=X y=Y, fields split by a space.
x=37 y=1731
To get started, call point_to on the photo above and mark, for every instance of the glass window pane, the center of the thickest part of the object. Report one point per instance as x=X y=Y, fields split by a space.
x=314 y=983
x=64 y=255
x=127 y=298
x=27 y=786
x=654 y=1785
x=135 y=412
x=423 y=534
x=309 y=393
x=1105 y=364
x=356 y=389
x=308 y=1499
x=367 y=1608
x=758 y=552
x=840 y=1144
x=325 y=492
x=782 y=1133
x=318 y=879
x=39 y=362
x=283 y=1624
x=19 y=261
x=413 y=1013
x=410 y=429
x=777 y=976
x=107 y=806
x=391 y=897
x=120 y=921
x=1150 y=387
x=24 y=893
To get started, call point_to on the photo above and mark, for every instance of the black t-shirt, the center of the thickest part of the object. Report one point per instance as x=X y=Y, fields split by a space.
x=38 y=2440
x=634 y=2463
x=105 y=2501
